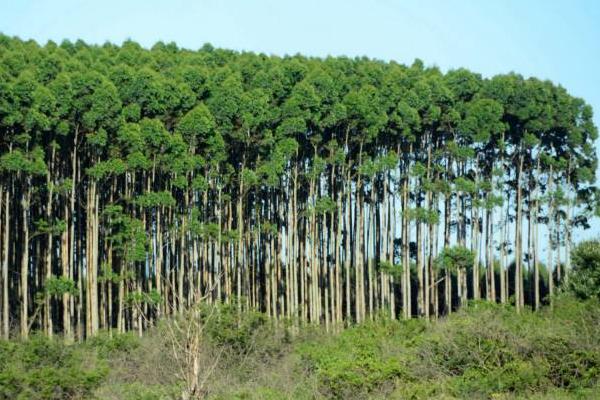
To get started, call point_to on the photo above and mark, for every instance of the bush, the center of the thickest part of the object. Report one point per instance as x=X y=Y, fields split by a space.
x=358 y=360
x=226 y=326
x=48 y=369
x=486 y=350
x=139 y=391
x=108 y=345
x=518 y=376
x=584 y=279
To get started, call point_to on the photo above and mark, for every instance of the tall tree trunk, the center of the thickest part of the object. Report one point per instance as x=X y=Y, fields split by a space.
x=49 y=247
x=518 y=244
x=25 y=203
x=5 y=254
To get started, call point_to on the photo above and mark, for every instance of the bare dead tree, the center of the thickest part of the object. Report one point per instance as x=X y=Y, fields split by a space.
x=186 y=336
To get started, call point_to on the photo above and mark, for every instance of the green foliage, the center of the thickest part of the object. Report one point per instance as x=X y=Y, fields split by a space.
x=394 y=270
x=418 y=170
x=196 y=125
x=107 y=274
x=484 y=351
x=43 y=227
x=145 y=391
x=358 y=360
x=198 y=183
x=107 y=345
x=226 y=326
x=127 y=234
x=155 y=199
x=483 y=120
x=59 y=285
x=584 y=279
x=29 y=163
x=205 y=231
x=140 y=391
x=493 y=201
x=324 y=205
x=230 y=236
x=487 y=349
x=455 y=258
x=516 y=376
x=64 y=187
x=103 y=169
x=152 y=298
x=465 y=185
x=423 y=215
x=48 y=369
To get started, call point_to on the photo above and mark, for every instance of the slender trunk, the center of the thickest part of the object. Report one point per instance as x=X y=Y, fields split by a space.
x=48 y=254
x=25 y=203
x=406 y=290
x=5 y=251
x=518 y=244
x=550 y=227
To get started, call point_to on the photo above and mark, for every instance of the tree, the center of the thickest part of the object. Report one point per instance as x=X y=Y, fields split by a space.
x=584 y=279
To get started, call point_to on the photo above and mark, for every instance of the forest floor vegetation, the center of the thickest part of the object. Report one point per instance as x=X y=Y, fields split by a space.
x=484 y=351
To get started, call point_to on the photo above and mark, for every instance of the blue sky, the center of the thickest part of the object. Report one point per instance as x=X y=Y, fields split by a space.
x=550 y=39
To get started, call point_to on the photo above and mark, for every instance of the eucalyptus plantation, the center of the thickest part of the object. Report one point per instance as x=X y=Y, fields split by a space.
x=136 y=182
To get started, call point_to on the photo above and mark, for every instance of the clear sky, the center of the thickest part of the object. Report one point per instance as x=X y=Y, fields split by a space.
x=550 y=39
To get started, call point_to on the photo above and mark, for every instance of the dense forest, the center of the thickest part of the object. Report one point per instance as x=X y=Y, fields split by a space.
x=137 y=182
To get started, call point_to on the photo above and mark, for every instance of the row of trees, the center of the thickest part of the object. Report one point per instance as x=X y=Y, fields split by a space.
x=136 y=182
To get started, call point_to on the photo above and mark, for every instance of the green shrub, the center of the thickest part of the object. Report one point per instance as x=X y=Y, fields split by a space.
x=357 y=360
x=138 y=391
x=476 y=338
x=107 y=345
x=261 y=393
x=226 y=326
x=489 y=349
x=584 y=279
x=48 y=369
x=513 y=377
